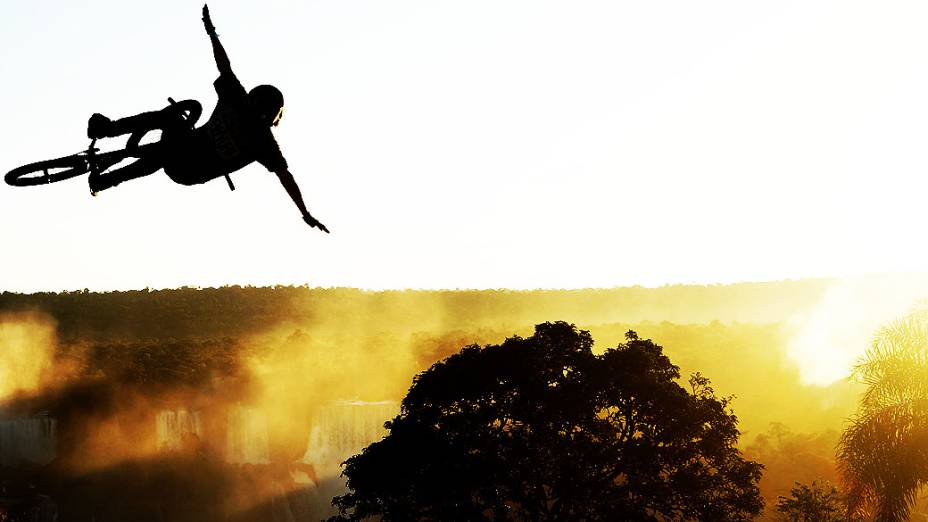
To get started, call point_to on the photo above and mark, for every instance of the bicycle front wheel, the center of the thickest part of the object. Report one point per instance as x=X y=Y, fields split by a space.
x=48 y=171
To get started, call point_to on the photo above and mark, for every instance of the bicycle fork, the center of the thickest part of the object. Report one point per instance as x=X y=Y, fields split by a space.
x=92 y=156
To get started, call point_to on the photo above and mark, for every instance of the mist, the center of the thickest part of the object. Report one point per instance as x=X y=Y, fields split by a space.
x=27 y=349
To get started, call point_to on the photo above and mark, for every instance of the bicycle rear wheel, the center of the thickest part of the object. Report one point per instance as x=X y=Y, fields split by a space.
x=48 y=171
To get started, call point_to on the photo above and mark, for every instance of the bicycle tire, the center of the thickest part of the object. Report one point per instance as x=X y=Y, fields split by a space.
x=48 y=171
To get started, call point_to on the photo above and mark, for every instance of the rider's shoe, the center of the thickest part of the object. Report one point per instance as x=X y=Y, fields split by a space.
x=98 y=183
x=93 y=180
x=99 y=126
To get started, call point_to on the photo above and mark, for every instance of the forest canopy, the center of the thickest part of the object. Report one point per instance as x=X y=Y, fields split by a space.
x=541 y=428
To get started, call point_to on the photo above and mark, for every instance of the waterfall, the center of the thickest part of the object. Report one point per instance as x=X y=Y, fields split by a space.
x=343 y=429
x=246 y=436
x=306 y=504
x=174 y=428
x=28 y=439
x=280 y=505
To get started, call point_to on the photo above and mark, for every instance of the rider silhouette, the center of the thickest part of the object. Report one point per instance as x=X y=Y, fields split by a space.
x=236 y=134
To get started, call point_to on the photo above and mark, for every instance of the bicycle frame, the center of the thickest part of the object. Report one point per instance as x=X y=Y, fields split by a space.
x=98 y=163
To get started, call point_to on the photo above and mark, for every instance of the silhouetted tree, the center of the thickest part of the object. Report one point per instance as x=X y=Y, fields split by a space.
x=542 y=429
x=815 y=503
x=883 y=454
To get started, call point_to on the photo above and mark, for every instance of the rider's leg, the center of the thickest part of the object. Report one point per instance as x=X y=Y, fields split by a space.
x=139 y=168
x=99 y=126
x=174 y=136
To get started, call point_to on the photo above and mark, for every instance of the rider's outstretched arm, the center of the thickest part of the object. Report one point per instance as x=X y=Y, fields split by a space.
x=222 y=59
x=289 y=184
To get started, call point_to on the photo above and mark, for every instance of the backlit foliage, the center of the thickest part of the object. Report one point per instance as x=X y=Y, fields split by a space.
x=883 y=454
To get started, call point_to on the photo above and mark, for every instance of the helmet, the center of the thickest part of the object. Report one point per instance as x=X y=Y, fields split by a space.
x=268 y=102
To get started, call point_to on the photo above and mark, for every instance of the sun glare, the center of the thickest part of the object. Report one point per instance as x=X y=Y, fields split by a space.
x=829 y=340
x=822 y=358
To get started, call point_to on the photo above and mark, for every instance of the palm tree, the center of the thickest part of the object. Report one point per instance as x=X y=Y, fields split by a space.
x=883 y=453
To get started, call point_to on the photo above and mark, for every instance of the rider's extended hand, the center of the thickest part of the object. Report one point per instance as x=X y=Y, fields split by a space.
x=311 y=221
x=208 y=22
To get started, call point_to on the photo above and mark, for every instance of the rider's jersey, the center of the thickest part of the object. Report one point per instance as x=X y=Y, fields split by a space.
x=232 y=138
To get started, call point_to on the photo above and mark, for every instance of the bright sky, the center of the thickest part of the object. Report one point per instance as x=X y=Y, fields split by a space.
x=483 y=144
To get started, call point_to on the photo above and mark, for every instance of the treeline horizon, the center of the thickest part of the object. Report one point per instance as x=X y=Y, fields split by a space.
x=236 y=309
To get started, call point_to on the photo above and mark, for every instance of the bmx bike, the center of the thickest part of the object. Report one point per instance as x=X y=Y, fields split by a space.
x=94 y=161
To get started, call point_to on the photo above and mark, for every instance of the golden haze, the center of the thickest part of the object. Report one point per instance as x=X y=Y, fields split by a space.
x=288 y=352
